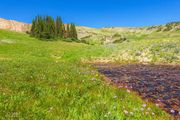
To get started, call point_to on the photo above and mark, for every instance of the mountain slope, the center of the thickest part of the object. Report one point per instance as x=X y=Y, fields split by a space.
x=14 y=25
x=107 y=35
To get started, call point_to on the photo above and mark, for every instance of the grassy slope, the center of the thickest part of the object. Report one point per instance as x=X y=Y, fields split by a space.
x=157 y=47
x=46 y=80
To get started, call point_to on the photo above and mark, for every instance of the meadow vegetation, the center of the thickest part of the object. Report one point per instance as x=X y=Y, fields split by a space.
x=53 y=80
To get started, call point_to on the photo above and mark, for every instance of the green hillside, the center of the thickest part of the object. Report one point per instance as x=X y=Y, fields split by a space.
x=113 y=34
x=54 y=80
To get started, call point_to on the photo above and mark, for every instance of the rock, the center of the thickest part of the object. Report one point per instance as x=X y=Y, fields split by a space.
x=14 y=25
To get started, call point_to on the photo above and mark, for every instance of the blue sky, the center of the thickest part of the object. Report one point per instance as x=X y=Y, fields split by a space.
x=95 y=13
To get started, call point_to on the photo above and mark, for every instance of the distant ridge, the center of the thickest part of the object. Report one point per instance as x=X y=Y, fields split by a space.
x=14 y=25
x=103 y=35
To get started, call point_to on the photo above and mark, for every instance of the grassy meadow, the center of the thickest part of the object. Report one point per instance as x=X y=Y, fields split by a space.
x=52 y=79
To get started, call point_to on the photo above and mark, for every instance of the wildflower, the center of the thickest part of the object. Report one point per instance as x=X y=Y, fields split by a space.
x=157 y=105
x=128 y=91
x=153 y=113
x=109 y=113
x=126 y=112
x=144 y=105
x=50 y=109
x=115 y=97
x=147 y=113
x=114 y=107
x=142 y=109
x=131 y=113
x=149 y=109
x=172 y=111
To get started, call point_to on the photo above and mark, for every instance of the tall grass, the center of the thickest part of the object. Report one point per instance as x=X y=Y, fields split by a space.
x=47 y=80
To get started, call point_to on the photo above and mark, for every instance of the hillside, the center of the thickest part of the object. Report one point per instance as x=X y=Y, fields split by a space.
x=113 y=34
x=103 y=35
x=52 y=80
x=70 y=80
x=14 y=25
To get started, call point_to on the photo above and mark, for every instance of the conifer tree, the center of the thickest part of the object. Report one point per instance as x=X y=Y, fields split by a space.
x=48 y=28
x=33 y=28
x=59 y=27
x=73 y=31
x=36 y=27
x=41 y=26
x=68 y=34
x=64 y=31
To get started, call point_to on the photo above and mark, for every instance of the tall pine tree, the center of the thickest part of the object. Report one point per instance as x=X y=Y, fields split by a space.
x=48 y=28
x=68 y=31
x=32 y=32
x=59 y=27
x=73 y=31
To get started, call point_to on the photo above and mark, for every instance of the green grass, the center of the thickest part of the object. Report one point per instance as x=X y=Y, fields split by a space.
x=48 y=80
x=156 y=48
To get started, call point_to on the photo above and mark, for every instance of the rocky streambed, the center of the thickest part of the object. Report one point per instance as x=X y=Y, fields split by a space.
x=157 y=83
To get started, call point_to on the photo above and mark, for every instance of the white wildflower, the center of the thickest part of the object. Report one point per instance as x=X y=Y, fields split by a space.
x=142 y=109
x=172 y=111
x=157 y=105
x=128 y=91
x=115 y=97
x=144 y=105
x=131 y=113
x=149 y=109
x=126 y=112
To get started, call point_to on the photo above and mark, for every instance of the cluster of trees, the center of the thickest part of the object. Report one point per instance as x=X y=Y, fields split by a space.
x=45 y=27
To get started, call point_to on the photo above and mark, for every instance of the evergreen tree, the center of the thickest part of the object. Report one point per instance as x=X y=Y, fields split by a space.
x=41 y=27
x=73 y=31
x=75 y=35
x=48 y=28
x=59 y=27
x=68 y=34
x=32 y=32
x=37 y=27
x=64 y=31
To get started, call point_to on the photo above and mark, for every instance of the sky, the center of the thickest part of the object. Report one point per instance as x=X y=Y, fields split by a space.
x=95 y=13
